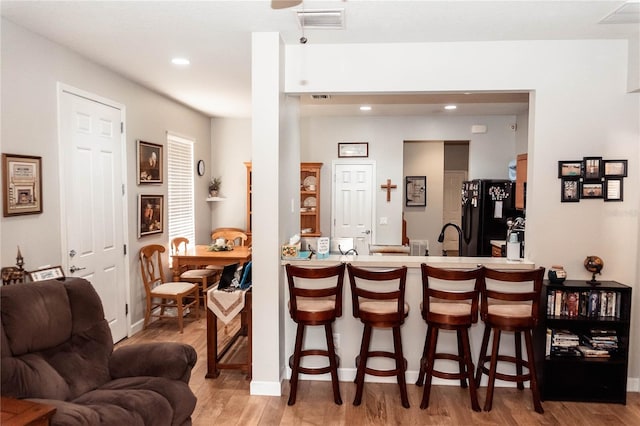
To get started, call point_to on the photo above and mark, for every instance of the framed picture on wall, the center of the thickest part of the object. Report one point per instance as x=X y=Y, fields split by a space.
x=415 y=191
x=22 y=184
x=592 y=168
x=615 y=168
x=353 y=149
x=613 y=189
x=149 y=163
x=570 y=190
x=150 y=214
x=569 y=168
x=591 y=190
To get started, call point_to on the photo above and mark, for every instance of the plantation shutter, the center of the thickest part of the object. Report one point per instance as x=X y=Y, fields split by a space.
x=180 y=176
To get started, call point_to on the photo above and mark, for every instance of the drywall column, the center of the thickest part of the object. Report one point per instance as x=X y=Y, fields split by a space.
x=265 y=227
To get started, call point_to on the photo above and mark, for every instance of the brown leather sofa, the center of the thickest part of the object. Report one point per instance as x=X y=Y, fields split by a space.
x=56 y=348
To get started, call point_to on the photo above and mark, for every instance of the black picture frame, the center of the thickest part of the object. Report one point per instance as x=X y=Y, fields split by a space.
x=615 y=168
x=150 y=214
x=22 y=184
x=49 y=273
x=592 y=168
x=570 y=190
x=150 y=160
x=613 y=189
x=570 y=168
x=415 y=191
x=591 y=190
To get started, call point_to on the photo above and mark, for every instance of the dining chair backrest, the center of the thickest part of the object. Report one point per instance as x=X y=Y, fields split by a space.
x=512 y=288
x=451 y=286
x=151 y=266
x=237 y=237
x=378 y=286
x=318 y=283
x=179 y=244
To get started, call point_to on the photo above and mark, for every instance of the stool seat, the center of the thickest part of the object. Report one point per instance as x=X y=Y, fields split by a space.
x=378 y=301
x=312 y=305
x=515 y=310
x=449 y=302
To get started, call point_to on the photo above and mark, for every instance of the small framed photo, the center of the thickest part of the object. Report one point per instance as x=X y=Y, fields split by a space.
x=613 y=189
x=151 y=214
x=591 y=190
x=353 y=149
x=615 y=168
x=592 y=168
x=569 y=168
x=22 y=184
x=53 y=273
x=149 y=163
x=415 y=191
x=570 y=190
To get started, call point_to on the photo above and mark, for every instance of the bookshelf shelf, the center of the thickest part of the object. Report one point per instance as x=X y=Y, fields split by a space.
x=566 y=377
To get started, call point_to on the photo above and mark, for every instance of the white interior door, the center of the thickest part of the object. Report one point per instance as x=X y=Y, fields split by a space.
x=353 y=210
x=451 y=208
x=92 y=200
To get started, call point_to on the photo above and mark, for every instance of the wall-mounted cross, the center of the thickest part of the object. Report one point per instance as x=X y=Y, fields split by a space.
x=388 y=187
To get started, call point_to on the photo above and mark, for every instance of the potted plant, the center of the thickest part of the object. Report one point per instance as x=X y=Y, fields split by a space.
x=214 y=186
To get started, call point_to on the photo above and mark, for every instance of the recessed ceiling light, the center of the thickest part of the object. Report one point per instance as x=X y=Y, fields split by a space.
x=365 y=108
x=450 y=107
x=180 y=61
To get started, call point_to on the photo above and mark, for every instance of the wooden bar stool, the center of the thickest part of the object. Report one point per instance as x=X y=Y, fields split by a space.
x=310 y=304
x=510 y=302
x=379 y=307
x=449 y=302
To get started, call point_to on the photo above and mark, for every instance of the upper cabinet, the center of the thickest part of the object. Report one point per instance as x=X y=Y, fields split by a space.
x=309 y=199
x=521 y=181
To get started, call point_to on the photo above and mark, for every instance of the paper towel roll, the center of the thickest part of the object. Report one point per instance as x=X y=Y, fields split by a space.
x=513 y=251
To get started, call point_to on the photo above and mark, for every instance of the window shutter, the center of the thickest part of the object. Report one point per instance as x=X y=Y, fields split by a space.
x=181 y=198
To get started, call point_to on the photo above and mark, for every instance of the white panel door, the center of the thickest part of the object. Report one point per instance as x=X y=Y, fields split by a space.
x=93 y=201
x=353 y=204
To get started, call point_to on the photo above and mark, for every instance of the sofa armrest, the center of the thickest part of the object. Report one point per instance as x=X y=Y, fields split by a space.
x=170 y=360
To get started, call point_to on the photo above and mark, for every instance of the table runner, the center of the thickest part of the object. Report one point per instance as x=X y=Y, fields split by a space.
x=225 y=304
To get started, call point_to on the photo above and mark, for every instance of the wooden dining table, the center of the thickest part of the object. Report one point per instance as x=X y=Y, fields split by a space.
x=201 y=255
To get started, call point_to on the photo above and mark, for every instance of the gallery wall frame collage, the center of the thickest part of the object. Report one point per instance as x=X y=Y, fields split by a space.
x=592 y=178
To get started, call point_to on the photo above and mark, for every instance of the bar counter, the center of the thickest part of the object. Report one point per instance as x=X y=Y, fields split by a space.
x=348 y=330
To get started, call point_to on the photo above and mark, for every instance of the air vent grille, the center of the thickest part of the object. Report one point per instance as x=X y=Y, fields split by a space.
x=321 y=97
x=328 y=19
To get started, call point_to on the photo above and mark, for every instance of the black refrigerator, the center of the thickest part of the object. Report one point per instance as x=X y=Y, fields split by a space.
x=486 y=206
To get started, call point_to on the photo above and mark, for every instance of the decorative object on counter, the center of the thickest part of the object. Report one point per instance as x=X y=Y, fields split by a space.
x=415 y=191
x=50 y=273
x=353 y=149
x=388 y=186
x=594 y=265
x=514 y=228
x=149 y=163
x=22 y=187
x=214 y=186
x=592 y=177
x=323 y=246
x=557 y=274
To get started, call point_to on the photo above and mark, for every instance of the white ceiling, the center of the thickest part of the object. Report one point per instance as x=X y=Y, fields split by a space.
x=138 y=38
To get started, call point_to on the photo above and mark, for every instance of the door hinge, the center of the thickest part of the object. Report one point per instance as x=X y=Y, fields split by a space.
x=124 y=249
x=123 y=189
x=126 y=309
x=122 y=127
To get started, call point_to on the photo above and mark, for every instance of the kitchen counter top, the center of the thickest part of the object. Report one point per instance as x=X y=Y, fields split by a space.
x=451 y=262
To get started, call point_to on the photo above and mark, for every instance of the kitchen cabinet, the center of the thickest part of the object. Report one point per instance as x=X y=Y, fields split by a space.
x=578 y=308
x=309 y=199
x=521 y=181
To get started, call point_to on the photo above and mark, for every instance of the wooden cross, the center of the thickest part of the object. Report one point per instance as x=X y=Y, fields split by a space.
x=388 y=187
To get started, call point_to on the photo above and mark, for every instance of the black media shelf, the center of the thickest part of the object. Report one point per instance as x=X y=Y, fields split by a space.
x=577 y=378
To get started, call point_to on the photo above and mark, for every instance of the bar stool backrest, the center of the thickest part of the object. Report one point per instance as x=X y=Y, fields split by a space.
x=378 y=285
x=512 y=288
x=319 y=283
x=451 y=286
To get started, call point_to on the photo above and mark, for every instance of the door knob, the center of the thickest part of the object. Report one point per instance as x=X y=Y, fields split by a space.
x=74 y=268
x=368 y=231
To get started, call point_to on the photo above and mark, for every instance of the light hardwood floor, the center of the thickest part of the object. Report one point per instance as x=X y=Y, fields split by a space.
x=226 y=400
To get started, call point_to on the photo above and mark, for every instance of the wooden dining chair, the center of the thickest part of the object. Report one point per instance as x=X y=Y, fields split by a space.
x=205 y=278
x=162 y=294
x=236 y=236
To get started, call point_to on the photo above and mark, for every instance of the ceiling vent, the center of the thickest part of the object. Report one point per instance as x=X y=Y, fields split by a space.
x=321 y=97
x=327 y=19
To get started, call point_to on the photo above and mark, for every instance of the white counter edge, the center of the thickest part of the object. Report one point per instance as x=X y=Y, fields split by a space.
x=395 y=261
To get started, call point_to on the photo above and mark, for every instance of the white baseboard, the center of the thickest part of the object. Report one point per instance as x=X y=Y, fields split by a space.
x=633 y=384
x=265 y=388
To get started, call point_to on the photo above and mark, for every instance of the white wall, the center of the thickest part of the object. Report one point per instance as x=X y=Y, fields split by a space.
x=31 y=68
x=580 y=108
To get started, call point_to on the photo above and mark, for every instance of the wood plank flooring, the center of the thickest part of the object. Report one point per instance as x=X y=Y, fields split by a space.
x=226 y=400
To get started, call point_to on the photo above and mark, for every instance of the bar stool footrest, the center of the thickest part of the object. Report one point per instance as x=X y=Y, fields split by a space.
x=382 y=373
x=505 y=376
x=314 y=370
